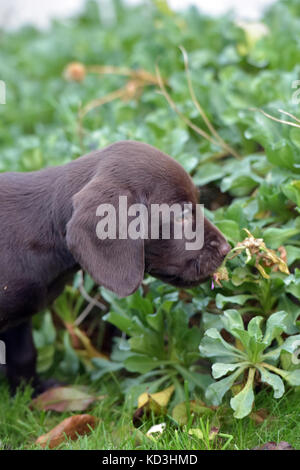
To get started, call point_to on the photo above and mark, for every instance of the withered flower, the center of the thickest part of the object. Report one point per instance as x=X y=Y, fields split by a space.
x=220 y=275
x=75 y=71
x=264 y=257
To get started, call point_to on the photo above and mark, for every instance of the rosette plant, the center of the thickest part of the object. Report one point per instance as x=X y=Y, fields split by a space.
x=253 y=357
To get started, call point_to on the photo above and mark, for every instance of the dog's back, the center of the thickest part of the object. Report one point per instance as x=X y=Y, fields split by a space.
x=31 y=257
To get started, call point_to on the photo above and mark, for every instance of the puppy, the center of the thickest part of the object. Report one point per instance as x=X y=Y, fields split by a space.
x=48 y=225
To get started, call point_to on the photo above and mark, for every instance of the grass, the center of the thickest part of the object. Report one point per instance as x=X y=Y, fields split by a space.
x=40 y=129
x=20 y=426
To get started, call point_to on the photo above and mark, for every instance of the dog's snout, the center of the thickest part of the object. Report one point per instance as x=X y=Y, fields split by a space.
x=221 y=245
x=224 y=248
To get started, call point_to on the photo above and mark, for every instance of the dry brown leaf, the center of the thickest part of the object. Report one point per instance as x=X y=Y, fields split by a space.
x=274 y=446
x=197 y=408
x=259 y=416
x=62 y=399
x=162 y=398
x=154 y=402
x=71 y=428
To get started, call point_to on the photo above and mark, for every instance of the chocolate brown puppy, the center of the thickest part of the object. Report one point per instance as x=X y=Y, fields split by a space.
x=49 y=223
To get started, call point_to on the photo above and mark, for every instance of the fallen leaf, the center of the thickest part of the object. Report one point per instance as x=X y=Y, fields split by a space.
x=162 y=398
x=259 y=416
x=197 y=407
x=196 y=432
x=71 y=428
x=149 y=406
x=214 y=431
x=64 y=399
x=273 y=446
x=154 y=402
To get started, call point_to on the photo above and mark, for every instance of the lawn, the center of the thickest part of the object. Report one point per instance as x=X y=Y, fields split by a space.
x=20 y=426
x=222 y=98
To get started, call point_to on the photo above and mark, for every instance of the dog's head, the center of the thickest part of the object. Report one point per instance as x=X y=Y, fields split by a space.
x=105 y=248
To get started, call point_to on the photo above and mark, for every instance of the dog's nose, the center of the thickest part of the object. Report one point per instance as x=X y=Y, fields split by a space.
x=224 y=248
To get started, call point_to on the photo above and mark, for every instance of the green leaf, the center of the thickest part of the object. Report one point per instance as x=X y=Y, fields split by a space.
x=293 y=253
x=216 y=391
x=199 y=380
x=70 y=362
x=281 y=153
x=45 y=358
x=240 y=276
x=220 y=369
x=275 y=326
x=149 y=343
x=141 y=363
x=198 y=408
x=240 y=184
x=156 y=320
x=124 y=323
x=232 y=320
x=274 y=237
x=291 y=344
x=254 y=328
x=273 y=380
x=230 y=229
x=292 y=377
x=48 y=328
x=292 y=190
x=242 y=402
x=207 y=173
x=213 y=345
x=104 y=366
x=292 y=283
x=222 y=300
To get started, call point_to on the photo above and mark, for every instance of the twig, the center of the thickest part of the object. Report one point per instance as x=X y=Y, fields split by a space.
x=197 y=129
x=289 y=114
x=139 y=74
x=100 y=101
x=282 y=121
x=133 y=88
x=93 y=302
x=84 y=314
x=94 y=104
x=201 y=111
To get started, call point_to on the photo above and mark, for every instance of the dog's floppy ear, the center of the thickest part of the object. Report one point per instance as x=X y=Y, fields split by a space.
x=117 y=264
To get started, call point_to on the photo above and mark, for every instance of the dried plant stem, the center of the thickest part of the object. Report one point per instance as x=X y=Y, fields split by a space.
x=201 y=111
x=94 y=104
x=193 y=126
x=289 y=114
x=100 y=101
x=138 y=79
x=139 y=74
x=109 y=69
x=93 y=302
x=282 y=121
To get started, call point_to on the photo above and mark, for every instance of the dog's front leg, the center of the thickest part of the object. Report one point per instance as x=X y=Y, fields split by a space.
x=21 y=359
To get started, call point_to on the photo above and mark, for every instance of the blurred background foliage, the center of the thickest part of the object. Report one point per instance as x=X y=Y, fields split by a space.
x=234 y=68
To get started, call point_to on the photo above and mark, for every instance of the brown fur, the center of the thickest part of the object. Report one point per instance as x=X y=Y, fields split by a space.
x=48 y=230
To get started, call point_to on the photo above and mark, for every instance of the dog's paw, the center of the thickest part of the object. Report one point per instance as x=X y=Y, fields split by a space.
x=38 y=385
